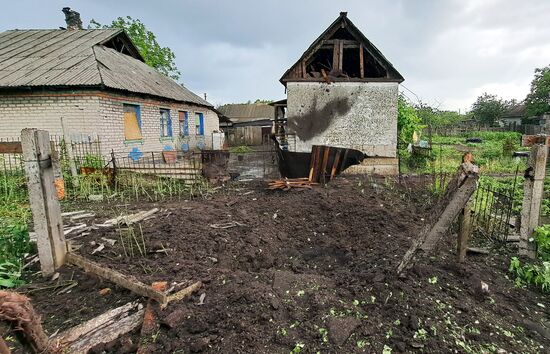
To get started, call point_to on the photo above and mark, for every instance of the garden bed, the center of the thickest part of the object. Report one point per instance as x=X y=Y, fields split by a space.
x=314 y=270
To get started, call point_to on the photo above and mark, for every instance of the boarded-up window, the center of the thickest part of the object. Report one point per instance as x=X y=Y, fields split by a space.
x=132 y=122
x=184 y=123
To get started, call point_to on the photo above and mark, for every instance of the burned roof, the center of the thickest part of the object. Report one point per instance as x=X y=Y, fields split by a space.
x=342 y=53
x=247 y=112
x=90 y=58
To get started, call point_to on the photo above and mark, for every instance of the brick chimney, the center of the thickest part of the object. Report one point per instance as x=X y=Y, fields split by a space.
x=72 y=18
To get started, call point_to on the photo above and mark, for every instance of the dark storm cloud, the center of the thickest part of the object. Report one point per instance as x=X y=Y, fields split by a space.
x=448 y=51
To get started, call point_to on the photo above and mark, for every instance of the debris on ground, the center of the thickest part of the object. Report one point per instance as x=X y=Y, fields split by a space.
x=289 y=183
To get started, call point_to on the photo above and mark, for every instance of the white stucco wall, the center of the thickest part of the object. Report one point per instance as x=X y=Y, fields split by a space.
x=368 y=122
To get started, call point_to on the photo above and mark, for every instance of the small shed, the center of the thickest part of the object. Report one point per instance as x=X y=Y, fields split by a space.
x=343 y=92
x=251 y=123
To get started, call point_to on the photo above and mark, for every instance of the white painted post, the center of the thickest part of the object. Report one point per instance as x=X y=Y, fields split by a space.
x=45 y=207
x=532 y=198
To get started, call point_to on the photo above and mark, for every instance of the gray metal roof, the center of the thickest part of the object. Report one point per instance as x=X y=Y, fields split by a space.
x=247 y=112
x=49 y=58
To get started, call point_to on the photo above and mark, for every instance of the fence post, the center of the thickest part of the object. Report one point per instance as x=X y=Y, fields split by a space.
x=113 y=159
x=45 y=208
x=465 y=224
x=70 y=153
x=532 y=198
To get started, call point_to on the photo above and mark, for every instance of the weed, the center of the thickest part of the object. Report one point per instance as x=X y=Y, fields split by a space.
x=324 y=334
x=421 y=334
x=432 y=280
x=362 y=343
x=298 y=347
x=386 y=350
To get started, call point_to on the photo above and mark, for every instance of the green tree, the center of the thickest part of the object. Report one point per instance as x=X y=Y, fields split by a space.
x=536 y=102
x=408 y=121
x=487 y=109
x=160 y=58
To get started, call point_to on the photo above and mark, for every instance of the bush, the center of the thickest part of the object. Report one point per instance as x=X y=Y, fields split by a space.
x=14 y=244
x=537 y=274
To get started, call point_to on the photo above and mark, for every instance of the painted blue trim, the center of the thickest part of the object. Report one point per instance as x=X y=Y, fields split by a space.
x=201 y=123
x=168 y=123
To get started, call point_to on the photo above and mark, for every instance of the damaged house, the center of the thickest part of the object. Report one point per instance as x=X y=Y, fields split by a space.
x=343 y=92
x=97 y=84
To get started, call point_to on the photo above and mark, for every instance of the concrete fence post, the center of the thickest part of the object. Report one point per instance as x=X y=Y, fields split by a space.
x=45 y=207
x=532 y=198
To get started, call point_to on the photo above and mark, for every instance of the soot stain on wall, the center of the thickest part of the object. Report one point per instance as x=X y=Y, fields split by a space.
x=316 y=121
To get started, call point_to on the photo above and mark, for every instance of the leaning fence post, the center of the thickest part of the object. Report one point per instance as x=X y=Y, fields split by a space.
x=465 y=224
x=532 y=198
x=45 y=208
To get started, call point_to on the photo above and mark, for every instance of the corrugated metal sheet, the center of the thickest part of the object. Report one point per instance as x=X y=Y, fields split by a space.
x=239 y=113
x=77 y=58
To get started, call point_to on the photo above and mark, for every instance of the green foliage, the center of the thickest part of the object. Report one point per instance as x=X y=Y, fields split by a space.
x=536 y=102
x=488 y=108
x=160 y=58
x=531 y=274
x=538 y=273
x=14 y=243
x=408 y=121
x=93 y=161
x=542 y=239
x=240 y=149
x=447 y=153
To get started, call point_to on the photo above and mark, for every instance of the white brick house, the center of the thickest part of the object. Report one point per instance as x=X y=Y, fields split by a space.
x=96 y=82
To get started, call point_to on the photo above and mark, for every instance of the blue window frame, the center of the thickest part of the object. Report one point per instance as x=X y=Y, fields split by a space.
x=165 y=123
x=199 y=123
x=184 y=123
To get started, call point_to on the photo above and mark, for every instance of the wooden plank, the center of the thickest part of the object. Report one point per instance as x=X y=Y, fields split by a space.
x=11 y=147
x=361 y=62
x=125 y=281
x=326 y=155
x=533 y=193
x=335 y=164
x=101 y=329
x=340 y=55
x=457 y=195
x=182 y=294
x=465 y=223
x=46 y=211
x=336 y=56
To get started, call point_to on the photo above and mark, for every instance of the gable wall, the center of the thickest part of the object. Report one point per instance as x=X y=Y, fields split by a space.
x=318 y=115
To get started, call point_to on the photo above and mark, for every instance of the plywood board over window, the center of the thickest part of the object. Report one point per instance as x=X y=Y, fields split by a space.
x=132 y=122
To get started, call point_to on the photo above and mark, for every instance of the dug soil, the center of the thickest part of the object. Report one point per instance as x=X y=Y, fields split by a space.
x=314 y=271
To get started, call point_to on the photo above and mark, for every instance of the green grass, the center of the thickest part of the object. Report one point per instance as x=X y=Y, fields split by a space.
x=493 y=155
x=14 y=234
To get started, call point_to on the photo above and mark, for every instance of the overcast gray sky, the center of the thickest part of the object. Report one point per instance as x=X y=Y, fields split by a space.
x=449 y=51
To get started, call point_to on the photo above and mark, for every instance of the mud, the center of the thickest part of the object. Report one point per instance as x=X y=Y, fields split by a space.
x=315 y=271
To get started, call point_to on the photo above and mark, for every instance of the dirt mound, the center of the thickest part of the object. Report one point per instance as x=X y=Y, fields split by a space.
x=309 y=271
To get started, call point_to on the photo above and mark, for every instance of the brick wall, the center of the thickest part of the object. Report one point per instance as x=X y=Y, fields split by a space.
x=101 y=114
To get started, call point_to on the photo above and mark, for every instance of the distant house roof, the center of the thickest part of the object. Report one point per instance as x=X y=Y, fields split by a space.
x=344 y=37
x=517 y=111
x=245 y=113
x=91 y=58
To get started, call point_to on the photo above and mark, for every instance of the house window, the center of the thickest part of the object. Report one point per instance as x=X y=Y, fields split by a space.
x=165 y=123
x=132 y=122
x=184 y=123
x=199 y=124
